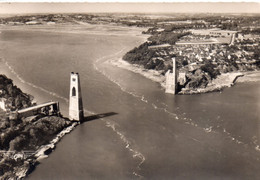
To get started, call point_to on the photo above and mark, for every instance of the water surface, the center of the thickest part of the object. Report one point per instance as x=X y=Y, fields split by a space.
x=147 y=133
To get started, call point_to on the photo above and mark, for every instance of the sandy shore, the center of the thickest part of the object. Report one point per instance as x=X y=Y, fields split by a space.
x=224 y=80
x=150 y=74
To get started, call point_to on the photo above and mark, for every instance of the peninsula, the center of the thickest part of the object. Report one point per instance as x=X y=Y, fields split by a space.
x=211 y=50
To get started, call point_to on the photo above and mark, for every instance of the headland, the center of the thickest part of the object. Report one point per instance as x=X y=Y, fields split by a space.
x=26 y=140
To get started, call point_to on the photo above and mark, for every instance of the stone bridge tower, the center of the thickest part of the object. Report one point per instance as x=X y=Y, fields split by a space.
x=75 y=102
x=171 y=79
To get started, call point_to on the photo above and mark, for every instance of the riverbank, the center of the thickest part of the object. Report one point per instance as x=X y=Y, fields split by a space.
x=95 y=36
x=154 y=75
x=43 y=91
x=25 y=142
x=152 y=133
x=42 y=153
x=7 y=70
x=222 y=81
x=30 y=142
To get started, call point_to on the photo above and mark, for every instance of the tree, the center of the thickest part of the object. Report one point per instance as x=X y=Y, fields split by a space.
x=210 y=69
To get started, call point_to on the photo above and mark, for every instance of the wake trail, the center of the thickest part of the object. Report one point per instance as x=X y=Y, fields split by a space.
x=187 y=121
x=128 y=145
x=112 y=125
x=208 y=129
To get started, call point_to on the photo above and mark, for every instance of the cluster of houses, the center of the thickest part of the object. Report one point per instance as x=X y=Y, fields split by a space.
x=209 y=36
x=240 y=55
x=212 y=32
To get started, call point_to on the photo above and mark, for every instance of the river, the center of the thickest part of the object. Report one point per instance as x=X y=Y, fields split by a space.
x=144 y=133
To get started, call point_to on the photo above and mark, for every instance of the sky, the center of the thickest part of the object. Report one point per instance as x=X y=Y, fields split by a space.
x=147 y=7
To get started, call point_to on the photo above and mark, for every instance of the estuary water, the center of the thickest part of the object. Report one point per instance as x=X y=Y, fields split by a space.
x=140 y=132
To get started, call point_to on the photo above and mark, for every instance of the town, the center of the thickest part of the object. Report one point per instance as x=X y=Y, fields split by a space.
x=204 y=46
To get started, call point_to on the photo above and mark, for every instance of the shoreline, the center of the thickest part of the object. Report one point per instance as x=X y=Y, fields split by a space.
x=30 y=162
x=42 y=152
x=222 y=81
x=40 y=95
x=95 y=29
x=149 y=74
x=17 y=80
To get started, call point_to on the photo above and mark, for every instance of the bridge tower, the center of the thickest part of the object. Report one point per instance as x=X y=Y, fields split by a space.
x=171 y=79
x=75 y=102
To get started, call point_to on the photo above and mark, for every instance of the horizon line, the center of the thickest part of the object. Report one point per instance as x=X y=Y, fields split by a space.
x=129 y=7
